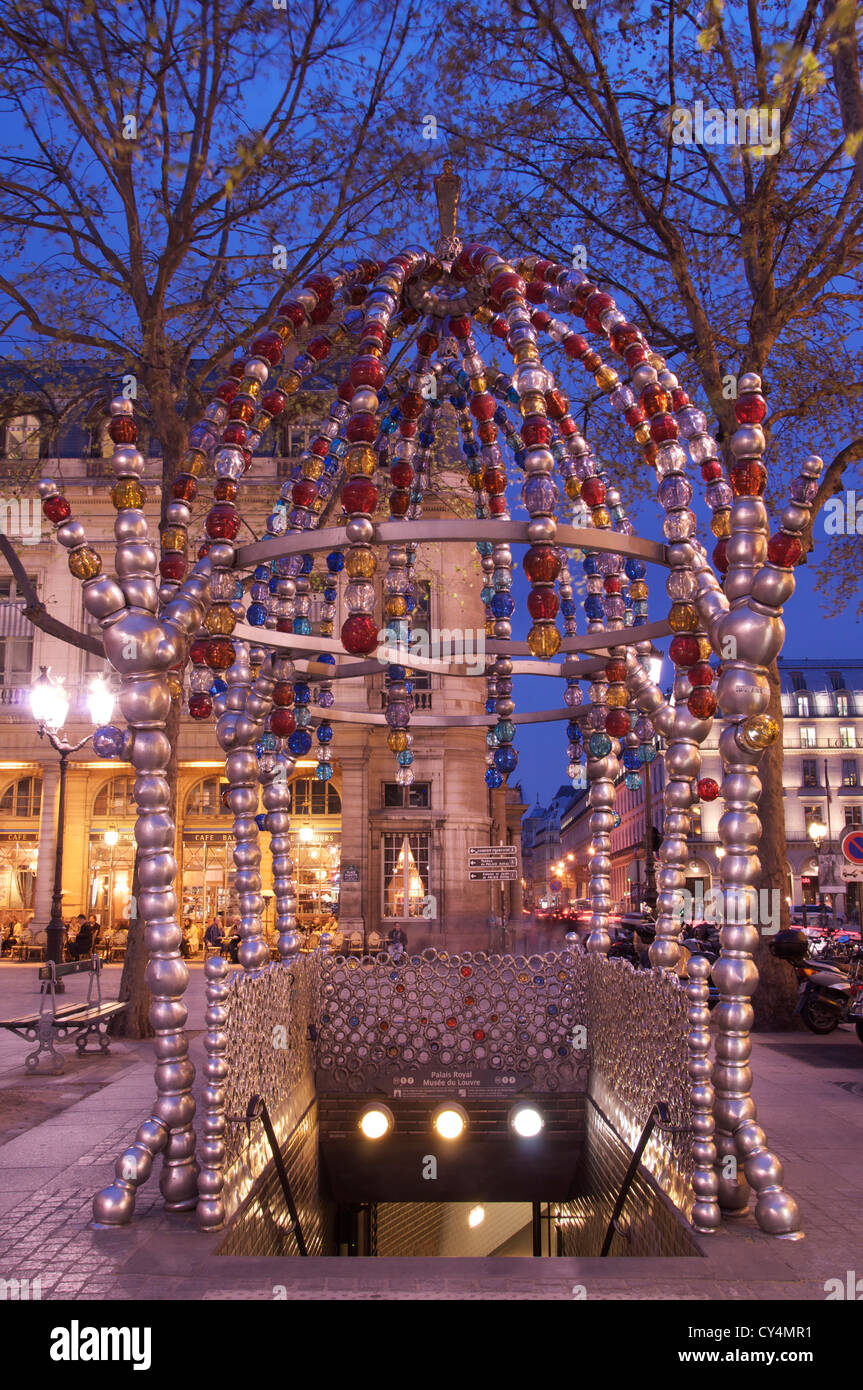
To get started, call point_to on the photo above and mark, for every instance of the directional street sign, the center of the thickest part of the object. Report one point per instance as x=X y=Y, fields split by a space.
x=486 y=861
x=495 y=851
x=492 y=875
x=851 y=845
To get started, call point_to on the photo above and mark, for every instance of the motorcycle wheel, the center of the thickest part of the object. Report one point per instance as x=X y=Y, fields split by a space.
x=819 y=1018
x=858 y=1024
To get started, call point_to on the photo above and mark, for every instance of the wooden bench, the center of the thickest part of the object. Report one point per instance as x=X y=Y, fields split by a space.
x=52 y=1024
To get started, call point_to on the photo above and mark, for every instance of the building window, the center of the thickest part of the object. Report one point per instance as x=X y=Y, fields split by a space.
x=421 y=621
x=417 y=794
x=854 y=815
x=842 y=706
x=849 y=772
x=847 y=736
x=16 y=639
x=22 y=798
x=797 y=680
x=406 y=875
x=807 y=735
x=803 y=710
x=116 y=798
x=811 y=814
x=836 y=680
x=22 y=438
x=290 y=442
x=309 y=797
x=696 y=823
x=206 y=799
x=810 y=772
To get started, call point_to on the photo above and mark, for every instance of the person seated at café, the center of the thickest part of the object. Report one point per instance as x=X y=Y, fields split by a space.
x=82 y=944
x=233 y=940
x=214 y=937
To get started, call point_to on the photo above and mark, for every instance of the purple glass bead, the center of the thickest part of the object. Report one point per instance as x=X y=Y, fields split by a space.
x=803 y=489
x=539 y=495
x=719 y=495
x=398 y=715
x=675 y=492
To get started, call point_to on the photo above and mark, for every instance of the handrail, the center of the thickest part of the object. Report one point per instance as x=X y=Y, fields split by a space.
x=257 y=1110
x=658 y=1115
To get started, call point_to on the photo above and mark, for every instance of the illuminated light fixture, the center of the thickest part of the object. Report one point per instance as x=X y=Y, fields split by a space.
x=450 y=1121
x=376 y=1121
x=526 y=1121
x=111 y=838
x=306 y=834
x=476 y=1216
x=101 y=701
x=49 y=702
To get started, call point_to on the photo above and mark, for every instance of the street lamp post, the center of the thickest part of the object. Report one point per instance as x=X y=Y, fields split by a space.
x=49 y=703
x=653 y=662
x=817 y=830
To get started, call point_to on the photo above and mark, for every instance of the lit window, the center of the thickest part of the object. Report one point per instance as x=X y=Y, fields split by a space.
x=22 y=798
x=847 y=736
x=807 y=735
x=116 y=798
x=205 y=799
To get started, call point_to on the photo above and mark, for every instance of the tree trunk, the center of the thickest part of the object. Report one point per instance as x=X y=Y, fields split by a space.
x=135 y=1022
x=776 y=994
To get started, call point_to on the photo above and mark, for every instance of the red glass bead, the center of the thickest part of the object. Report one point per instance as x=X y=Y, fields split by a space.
x=593 y=492
x=494 y=481
x=368 y=371
x=282 y=723
x=223 y=522
x=320 y=283
x=701 y=673
x=172 y=566
x=293 y=313
x=708 y=788
x=283 y=694
x=634 y=416
x=612 y=584
x=505 y=285
x=654 y=399
x=702 y=703
x=203 y=549
x=784 y=550
x=750 y=409
x=198 y=651
x=478 y=1034
x=452 y=1022
x=542 y=604
x=184 y=488
x=711 y=471
x=582 y=295
x=320 y=446
x=123 y=429
x=227 y=390
x=220 y=654
x=534 y=294
x=615 y=671
x=412 y=405
x=596 y=305
x=235 y=433
x=200 y=705
x=623 y=335
x=359 y=634
x=748 y=478
x=536 y=431
x=270 y=347
x=465 y=971
x=486 y=431
x=679 y=398
x=542 y=564
x=407 y=429
x=459 y=327
x=359 y=495
x=284 y=625
x=304 y=493
x=483 y=406
x=567 y=425
x=273 y=403
x=362 y=428
x=401 y=474
x=556 y=404
x=57 y=509
x=720 y=556
x=426 y=343
x=574 y=345
x=497 y=505
x=663 y=428
x=617 y=723
x=498 y=327
x=635 y=355
x=319 y=347
x=649 y=452
x=399 y=502
x=684 y=649
x=540 y=319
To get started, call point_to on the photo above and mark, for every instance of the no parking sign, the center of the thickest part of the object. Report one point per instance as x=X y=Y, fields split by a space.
x=851 y=845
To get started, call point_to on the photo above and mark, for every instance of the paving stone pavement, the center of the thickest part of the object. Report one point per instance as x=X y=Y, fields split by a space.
x=810 y=1102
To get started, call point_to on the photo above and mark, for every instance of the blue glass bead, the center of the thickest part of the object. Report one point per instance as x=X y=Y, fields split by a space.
x=257 y=614
x=491 y=706
x=520 y=455
x=261 y=574
x=470 y=449
x=261 y=820
x=631 y=759
x=599 y=745
x=396 y=673
x=459 y=400
x=502 y=605
x=646 y=752
x=274 y=584
x=494 y=780
x=636 y=569
x=326 y=658
x=267 y=743
x=335 y=562
x=590 y=564
x=633 y=781
x=484 y=547
x=218 y=687
x=426 y=438
x=302 y=627
x=568 y=607
x=302 y=693
x=300 y=742
x=593 y=607
x=505 y=731
x=573 y=731
x=389 y=425
x=487 y=593
x=324 y=733
x=323 y=771
x=506 y=758
x=405 y=757
x=330 y=595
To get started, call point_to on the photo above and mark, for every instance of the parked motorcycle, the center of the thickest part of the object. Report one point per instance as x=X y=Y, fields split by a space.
x=828 y=995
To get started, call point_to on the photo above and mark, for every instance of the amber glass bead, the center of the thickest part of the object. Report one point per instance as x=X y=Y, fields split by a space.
x=313 y=467
x=128 y=493
x=174 y=538
x=759 y=731
x=572 y=487
x=682 y=617
x=362 y=460
x=543 y=640
x=601 y=517
x=290 y=382
x=220 y=654
x=220 y=620
x=705 y=651
x=194 y=462
x=123 y=430
x=655 y=399
x=85 y=563
x=397 y=740
x=720 y=523
x=702 y=703
x=360 y=563
x=242 y=410
x=615 y=671
x=748 y=478
x=638 y=589
x=532 y=403
x=184 y=489
x=642 y=433
x=489 y=627
x=395 y=606
x=225 y=490
x=606 y=378
x=616 y=696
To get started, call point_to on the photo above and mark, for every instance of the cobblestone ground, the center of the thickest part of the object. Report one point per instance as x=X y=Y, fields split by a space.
x=810 y=1094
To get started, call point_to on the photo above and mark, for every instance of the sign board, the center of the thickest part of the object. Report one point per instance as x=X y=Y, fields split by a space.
x=482 y=861
x=851 y=845
x=852 y=873
x=495 y=851
x=491 y=875
x=462 y=1082
x=350 y=873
